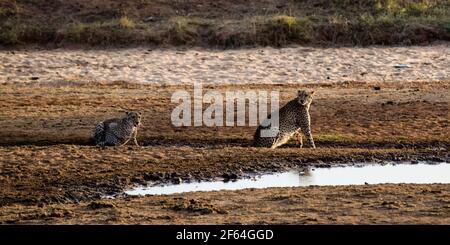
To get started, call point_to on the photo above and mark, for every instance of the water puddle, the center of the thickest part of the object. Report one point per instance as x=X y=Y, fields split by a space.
x=360 y=174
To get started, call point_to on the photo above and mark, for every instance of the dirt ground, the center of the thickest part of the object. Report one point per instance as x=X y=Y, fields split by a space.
x=51 y=173
x=261 y=65
x=370 y=204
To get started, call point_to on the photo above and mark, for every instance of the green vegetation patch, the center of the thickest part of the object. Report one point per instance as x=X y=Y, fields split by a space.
x=225 y=24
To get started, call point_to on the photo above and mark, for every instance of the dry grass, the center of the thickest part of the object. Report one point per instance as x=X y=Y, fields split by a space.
x=125 y=22
x=225 y=24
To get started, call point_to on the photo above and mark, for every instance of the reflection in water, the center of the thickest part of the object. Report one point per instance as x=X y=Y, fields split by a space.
x=341 y=175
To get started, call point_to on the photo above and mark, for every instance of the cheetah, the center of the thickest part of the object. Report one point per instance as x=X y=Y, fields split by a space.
x=118 y=131
x=293 y=118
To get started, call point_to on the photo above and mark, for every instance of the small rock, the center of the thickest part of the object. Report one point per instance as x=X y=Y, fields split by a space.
x=188 y=176
x=34 y=78
x=137 y=180
x=177 y=181
x=437 y=159
x=152 y=177
x=401 y=66
x=231 y=176
x=150 y=19
x=414 y=162
x=377 y=88
x=324 y=165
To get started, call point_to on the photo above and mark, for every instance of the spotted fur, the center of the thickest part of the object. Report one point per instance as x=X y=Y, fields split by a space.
x=117 y=131
x=294 y=119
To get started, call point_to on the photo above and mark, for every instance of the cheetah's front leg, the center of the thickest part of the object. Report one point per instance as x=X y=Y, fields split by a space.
x=307 y=132
x=124 y=143
x=134 y=137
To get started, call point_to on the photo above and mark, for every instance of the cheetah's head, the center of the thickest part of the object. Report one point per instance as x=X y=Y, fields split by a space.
x=305 y=97
x=134 y=117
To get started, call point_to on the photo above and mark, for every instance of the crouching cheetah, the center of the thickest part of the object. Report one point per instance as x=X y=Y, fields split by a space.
x=293 y=118
x=118 y=131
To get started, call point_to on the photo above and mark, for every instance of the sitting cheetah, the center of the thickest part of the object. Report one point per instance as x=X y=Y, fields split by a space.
x=118 y=131
x=293 y=118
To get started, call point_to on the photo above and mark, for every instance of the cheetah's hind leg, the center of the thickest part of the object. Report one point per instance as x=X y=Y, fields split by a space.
x=99 y=134
x=102 y=145
x=299 y=139
x=281 y=140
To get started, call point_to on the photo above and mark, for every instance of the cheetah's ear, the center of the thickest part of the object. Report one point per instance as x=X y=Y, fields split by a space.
x=127 y=112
